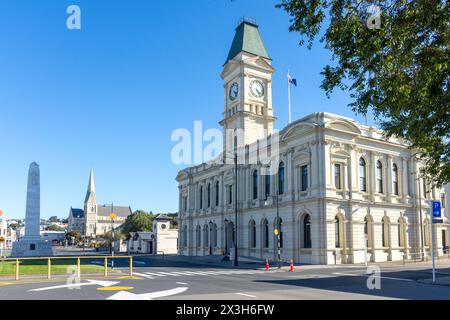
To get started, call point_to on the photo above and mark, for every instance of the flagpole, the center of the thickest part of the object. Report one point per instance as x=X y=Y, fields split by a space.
x=289 y=98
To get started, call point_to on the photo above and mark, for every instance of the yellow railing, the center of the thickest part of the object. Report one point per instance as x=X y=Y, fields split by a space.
x=78 y=259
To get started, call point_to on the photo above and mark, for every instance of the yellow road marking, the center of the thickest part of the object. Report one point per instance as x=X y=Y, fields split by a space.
x=37 y=281
x=131 y=278
x=115 y=288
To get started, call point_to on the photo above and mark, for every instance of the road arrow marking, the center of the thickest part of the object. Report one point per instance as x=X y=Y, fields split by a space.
x=125 y=295
x=73 y=285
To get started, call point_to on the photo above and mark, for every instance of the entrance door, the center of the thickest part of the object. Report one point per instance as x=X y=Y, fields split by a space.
x=229 y=237
x=150 y=247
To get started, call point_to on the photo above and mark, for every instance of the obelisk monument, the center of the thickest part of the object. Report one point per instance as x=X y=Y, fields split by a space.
x=32 y=244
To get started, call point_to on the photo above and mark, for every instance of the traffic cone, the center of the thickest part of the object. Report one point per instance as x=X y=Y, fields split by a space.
x=267 y=264
x=291 y=269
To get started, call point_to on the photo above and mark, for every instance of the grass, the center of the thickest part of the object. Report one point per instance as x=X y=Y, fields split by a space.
x=39 y=267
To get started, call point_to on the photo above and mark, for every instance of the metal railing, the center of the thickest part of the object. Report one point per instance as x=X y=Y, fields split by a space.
x=417 y=256
x=78 y=263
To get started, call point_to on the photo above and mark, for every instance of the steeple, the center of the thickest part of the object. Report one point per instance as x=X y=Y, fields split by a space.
x=90 y=194
x=247 y=39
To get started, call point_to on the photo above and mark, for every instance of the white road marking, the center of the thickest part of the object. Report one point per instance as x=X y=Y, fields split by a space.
x=143 y=275
x=156 y=274
x=368 y=275
x=170 y=274
x=125 y=295
x=139 y=262
x=182 y=283
x=72 y=285
x=245 y=295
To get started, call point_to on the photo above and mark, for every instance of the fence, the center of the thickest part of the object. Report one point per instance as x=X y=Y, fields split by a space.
x=78 y=263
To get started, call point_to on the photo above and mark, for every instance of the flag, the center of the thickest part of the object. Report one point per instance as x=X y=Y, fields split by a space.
x=292 y=80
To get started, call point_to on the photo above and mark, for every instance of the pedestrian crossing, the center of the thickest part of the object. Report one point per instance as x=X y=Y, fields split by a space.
x=157 y=274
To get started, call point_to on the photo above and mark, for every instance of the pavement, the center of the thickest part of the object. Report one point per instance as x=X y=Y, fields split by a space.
x=184 y=278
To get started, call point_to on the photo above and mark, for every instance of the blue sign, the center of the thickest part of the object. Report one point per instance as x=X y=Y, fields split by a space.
x=436 y=209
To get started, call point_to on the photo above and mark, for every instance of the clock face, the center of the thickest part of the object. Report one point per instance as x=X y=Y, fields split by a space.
x=256 y=88
x=234 y=91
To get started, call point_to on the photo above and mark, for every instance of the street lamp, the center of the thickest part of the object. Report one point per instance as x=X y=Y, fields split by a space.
x=422 y=248
x=112 y=217
x=210 y=237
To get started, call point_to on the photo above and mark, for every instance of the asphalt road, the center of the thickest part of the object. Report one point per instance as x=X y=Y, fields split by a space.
x=157 y=279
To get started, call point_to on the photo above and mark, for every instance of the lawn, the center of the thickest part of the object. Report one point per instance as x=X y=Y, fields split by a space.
x=39 y=267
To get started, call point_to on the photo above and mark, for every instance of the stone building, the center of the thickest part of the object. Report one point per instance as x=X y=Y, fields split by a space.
x=339 y=186
x=94 y=219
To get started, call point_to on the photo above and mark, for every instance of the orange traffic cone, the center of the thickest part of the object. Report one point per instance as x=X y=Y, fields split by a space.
x=267 y=264
x=291 y=269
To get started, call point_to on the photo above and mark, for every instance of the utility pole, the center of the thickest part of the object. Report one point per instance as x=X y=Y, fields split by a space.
x=278 y=220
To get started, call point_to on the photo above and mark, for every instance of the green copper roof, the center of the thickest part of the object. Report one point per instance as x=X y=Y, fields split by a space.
x=248 y=39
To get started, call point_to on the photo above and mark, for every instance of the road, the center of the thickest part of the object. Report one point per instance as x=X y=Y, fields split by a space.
x=157 y=279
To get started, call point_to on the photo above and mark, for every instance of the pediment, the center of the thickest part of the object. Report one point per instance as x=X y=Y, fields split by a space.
x=259 y=62
x=344 y=126
x=297 y=129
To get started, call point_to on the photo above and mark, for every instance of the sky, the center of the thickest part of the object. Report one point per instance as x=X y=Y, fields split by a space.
x=110 y=95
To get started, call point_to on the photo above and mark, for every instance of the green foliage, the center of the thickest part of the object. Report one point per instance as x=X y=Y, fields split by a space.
x=53 y=219
x=75 y=234
x=401 y=70
x=138 y=221
x=54 y=227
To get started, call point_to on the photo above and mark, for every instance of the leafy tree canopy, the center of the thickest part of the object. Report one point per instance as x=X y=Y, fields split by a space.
x=393 y=57
x=75 y=234
x=54 y=227
x=138 y=221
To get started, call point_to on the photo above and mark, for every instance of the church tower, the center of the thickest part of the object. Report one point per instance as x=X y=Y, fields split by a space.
x=90 y=208
x=247 y=76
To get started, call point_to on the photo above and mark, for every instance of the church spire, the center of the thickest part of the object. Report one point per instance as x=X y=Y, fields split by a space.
x=90 y=194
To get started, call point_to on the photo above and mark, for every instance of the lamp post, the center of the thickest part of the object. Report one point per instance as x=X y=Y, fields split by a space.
x=112 y=217
x=236 y=202
x=277 y=185
x=210 y=237
x=422 y=248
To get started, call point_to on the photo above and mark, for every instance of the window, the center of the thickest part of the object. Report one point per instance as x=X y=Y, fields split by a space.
x=217 y=193
x=185 y=236
x=337 y=176
x=443 y=204
x=401 y=232
x=214 y=235
x=208 y=195
x=201 y=197
x=362 y=175
x=307 y=232
x=230 y=194
x=205 y=236
x=252 y=233
x=281 y=178
x=255 y=184
x=304 y=178
x=185 y=204
x=337 y=235
x=379 y=177
x=199 y=236
x=267 y=186
x=395 y=179
x=265 y=227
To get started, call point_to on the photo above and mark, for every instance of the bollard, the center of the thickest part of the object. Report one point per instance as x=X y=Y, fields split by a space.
x=267 y=264
x=17 y=269
x=291 y=269
x=78 y=268
x=49 y=269
x=105 y=271
x=131 y=266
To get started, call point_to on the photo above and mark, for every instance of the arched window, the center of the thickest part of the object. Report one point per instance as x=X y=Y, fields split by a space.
x=208 y=191
x=267 y=186
x=281 y=178
x=255 y=184
x=265 y=233
x=395 y=179
x=199 y=236
x=379 y=177
x=278 y=224
x=205 y=235
x=201 y=197
x=217 y=193
x=385 y=232
x=307 y=231
x=337 y=232
x=362 y=175
x=252 y=233
x=214 y=235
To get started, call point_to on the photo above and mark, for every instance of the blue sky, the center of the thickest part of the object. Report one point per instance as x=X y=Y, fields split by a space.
x=110 y=95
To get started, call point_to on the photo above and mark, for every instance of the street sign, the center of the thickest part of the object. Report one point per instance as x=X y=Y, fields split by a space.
x=436 y=209
x=438 y=221
x=112 y=216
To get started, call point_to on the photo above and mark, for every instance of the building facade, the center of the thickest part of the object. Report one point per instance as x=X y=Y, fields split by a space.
x=339 y=189
x=94 y=220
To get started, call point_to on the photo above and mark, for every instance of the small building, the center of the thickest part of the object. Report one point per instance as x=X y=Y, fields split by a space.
x=163 y=239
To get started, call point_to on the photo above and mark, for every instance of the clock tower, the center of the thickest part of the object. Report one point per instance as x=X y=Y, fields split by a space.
x=247 y=76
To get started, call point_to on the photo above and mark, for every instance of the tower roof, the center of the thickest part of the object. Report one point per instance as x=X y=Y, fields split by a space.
x=90 y=194
x=247 y=39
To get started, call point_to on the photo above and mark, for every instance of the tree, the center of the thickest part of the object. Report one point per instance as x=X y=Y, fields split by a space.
x=75 y=234
x=393 y=58
x=54 y=227
x=53 y=219
x=137 y=221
